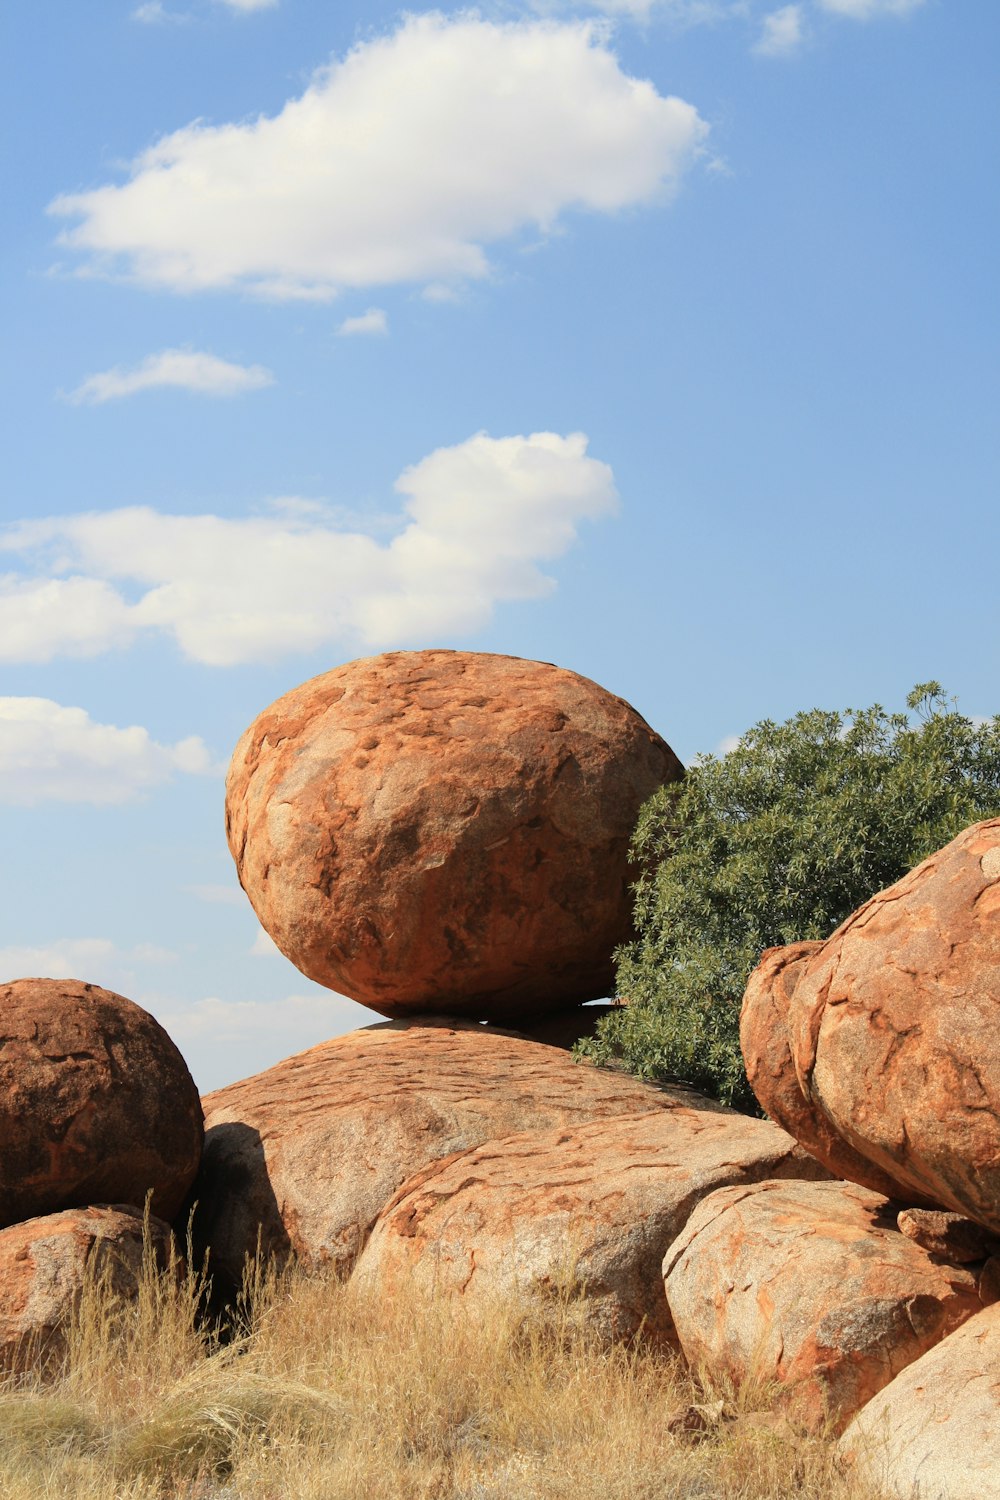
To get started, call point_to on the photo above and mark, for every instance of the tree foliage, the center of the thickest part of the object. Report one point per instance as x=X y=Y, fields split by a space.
x=780 y=840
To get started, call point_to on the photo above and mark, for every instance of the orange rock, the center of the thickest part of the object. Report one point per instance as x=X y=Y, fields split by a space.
x=935 y=1430
x=771 y=1072
x=895 y=1028
x=308 y=1153
x=43 y=1266
x=566 y=1027
x=445 y=831
x=810 y=1285
x=96 y=1103
x=588 y=1209
x=960 y=1242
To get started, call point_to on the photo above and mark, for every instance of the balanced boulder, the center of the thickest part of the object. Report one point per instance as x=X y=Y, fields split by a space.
x=307 y=1154
x=812 y=1286
x=96 y=1103
x=934 y=1432
x=766 y=1048
x=46 y=1262
x=895 y=1028
x=585 y=1211
x=445 y=832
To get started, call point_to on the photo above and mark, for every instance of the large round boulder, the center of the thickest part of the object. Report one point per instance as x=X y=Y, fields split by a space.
x=895 y=1028
x=445 y=831
x=96 y=1103
x=771 y=1072
x=303 y=1157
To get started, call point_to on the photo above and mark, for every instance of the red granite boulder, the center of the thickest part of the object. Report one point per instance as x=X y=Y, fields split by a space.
x=771 y=1072
x=306 y=1154
x=445 y=832
x=96 y=1103
x=895 y=1028
x=586 y=1211
x=45 y=1262
x=811 y=1285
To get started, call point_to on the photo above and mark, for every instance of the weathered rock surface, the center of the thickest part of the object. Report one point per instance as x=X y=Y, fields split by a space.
x=767 y=1053
x=96 y=1103
x=565 y=1028
x=43 y=1266
x=811 y=1285
x=934 y=1432
x=590 y=1207
x=310 y=1151
x=445 y=831
x=948 y=1236
x=895 y=1027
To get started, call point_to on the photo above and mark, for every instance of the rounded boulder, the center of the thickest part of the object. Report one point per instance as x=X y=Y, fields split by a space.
x=445 y=831
x=96 y=1103
x=895 y=1028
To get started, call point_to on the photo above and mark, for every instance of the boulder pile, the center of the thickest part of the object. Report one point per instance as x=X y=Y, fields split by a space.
x=444 y=836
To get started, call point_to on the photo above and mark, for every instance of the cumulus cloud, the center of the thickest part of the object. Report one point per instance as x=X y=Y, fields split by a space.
x=177 y=369
x=246 y=6
x=867 y=10
x=781 y=32
x=94 y=960
x=374 y=321
x=401 y=162
x=219 y=895
x=264 y=946
x=41 y=618
x=51 y=753
x=478 y=519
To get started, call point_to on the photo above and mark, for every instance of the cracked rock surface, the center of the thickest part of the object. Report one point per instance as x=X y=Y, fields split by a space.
x=935 y=1431
x=96 y=1103
x=309 y=1152
x=766 y=1048
x=587 y=1211
x=811 y=1285
x=43 y=1265
x=445 y=831
x=895 y=1028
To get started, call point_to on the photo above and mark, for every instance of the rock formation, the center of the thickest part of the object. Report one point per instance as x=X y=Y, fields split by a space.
x=445 y=832
x=96 y=1103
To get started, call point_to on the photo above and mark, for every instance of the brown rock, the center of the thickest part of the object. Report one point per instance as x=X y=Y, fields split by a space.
x=810 y=1285
x=96 y=1103
x=895 y=1028
x=934 y=1432
x=445 y=831
x=566 y=1027
x=45 y=1262
x=588 y=1209
x=771 y=1072
x=309 y=1152
x=947 y=1236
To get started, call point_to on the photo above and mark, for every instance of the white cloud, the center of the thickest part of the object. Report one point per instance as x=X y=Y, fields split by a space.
x=246 y=6
x=52 y=753
x=680 y=12
x=373 y=321
x=154 y=13
x=295 y=1021
x=178 y=369
x=264 y=946
x=781 y=32
x=219 y=895
x=94 y=960
x=727 y=745
x=867 y=10
x=45 y=617
x=477 y=520
x=402 y=162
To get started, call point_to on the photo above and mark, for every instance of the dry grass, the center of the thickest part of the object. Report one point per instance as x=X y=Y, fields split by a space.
x=328 y=1394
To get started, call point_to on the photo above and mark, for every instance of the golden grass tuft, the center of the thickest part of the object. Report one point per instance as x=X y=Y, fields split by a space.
x=328 y=1393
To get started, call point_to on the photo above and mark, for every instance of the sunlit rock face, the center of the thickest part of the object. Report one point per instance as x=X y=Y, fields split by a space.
x=445 y=832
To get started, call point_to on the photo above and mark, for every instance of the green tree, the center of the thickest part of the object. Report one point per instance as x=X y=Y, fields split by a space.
x=779 y=840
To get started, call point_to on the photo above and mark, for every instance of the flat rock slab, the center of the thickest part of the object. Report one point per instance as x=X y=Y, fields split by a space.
x=934 y=1433
x=811 y=1285
x=445 y=831
x=588 y=1209
x=45 y=1262
x=767 y=1052
x=96 y=1103
x=308 y=1153
x=895 y=1028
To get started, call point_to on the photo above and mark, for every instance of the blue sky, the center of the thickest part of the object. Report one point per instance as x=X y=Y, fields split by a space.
x=654 y=338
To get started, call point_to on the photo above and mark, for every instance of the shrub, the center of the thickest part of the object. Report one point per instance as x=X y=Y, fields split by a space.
x=780 y=840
